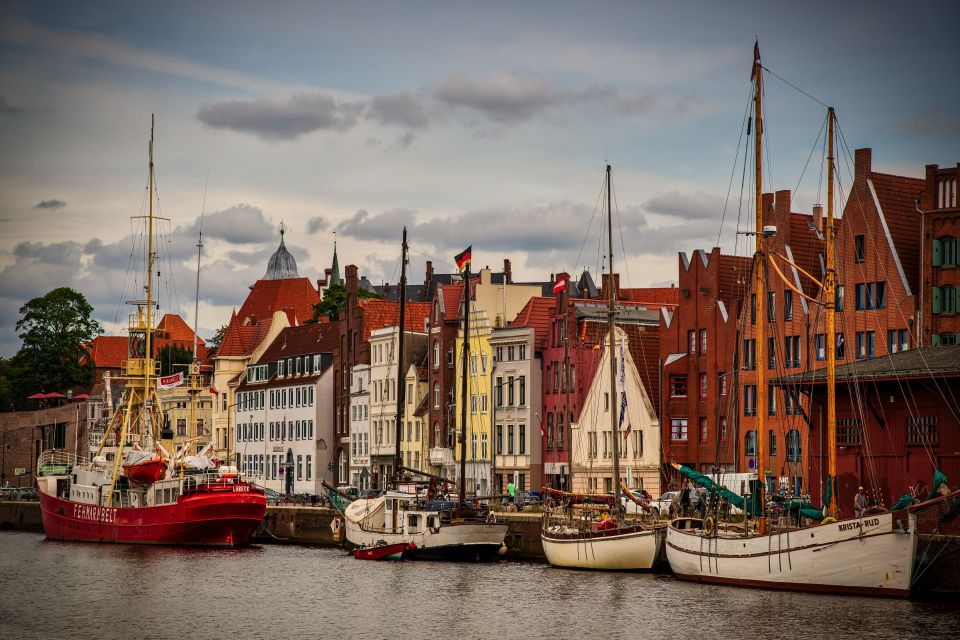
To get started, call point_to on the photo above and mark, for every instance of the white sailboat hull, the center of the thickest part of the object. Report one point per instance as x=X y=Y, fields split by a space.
x=634 y=549
x=367 y=524
x=871 y=556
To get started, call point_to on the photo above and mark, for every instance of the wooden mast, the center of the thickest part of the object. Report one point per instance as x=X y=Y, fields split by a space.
x=567 y=432
x=829 y=289
x=464 y=379
x=611 y=327
x=758 y=271
x=401 y=383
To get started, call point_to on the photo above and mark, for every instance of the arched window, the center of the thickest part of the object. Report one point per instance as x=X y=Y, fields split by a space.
x=436 y=354
x=436 y=434
x=436 y=395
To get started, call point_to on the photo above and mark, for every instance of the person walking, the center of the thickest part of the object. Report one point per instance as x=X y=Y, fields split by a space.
x=860 y=503
x=512 y=490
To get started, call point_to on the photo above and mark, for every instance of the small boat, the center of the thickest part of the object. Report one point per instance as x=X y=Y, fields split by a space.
x=143 y=467
x=393 y=551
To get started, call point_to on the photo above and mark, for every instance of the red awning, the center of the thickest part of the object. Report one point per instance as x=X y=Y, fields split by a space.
x=82 y=396
x=37 y=396
x=54 y=394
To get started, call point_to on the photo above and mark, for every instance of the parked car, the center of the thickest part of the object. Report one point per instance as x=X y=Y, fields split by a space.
x=18 y=493
x=527 y=499
x=662 y=505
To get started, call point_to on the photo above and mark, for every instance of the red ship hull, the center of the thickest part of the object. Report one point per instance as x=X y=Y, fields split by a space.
x=383 y=552
x=217 y=518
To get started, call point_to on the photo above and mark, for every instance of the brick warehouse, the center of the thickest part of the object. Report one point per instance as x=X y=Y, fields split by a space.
x=25 y=434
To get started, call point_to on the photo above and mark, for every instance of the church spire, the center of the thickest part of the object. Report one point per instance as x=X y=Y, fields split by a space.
x=335 y=267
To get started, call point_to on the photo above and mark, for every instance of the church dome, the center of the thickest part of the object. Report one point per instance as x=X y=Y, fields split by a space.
x=281 y=266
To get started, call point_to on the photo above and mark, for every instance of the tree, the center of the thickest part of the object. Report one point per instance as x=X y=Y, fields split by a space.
x=334 y=300
x=172 y=355
x=217 y=339
x=56 y=330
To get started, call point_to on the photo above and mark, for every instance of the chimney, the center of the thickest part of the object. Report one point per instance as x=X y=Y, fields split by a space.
x=782 y=207
x=507 y=272
x=818 y=217
x=862 y=162
x=605 y=291
x=769 y=216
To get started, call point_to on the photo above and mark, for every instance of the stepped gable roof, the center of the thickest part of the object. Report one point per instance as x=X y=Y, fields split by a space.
x=536 y=314
x=305 y=339
x=266 y=296
x=897 y=197
x=108 y=352
x=386 y=313
x=807 y=245
x=923 y=362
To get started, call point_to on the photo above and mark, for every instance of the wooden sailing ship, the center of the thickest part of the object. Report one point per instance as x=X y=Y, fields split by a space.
x=574 y=539
x=429 y=528
x=873 y=554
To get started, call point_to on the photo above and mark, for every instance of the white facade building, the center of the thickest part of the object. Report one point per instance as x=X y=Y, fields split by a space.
x=360 y=427
x=284 y=413
x=593 y=438
x=517 y=399
x=383 y=396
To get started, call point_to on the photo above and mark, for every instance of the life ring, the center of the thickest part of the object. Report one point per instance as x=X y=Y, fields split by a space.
x=710 y=526
x=828 y=520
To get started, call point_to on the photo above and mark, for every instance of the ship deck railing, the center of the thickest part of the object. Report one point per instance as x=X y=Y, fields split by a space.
x=57 y=462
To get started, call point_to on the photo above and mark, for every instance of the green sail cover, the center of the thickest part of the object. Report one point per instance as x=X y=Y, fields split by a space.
x=939 y=479
x=337 y=501
x=905 y=501
x=805 y=509
x=702 y=480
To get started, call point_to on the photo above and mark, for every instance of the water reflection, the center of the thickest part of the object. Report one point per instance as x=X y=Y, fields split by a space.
x=67 y=590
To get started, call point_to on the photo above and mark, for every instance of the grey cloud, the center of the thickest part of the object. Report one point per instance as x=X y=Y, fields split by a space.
x=401 y=109
x=689 y=206
x=6 y=107
x=317 y=224
x=930 y=121
x=53 y=203
x=504 y=97
x=282 y=120
x=515 y=97
x=384 y=226
x=239 y=224
x=501 y=99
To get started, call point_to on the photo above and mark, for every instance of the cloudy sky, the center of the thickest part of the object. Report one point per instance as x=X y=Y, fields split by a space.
x=486 y=124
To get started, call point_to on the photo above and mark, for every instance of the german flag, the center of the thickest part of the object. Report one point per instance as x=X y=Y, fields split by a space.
x=463 y=258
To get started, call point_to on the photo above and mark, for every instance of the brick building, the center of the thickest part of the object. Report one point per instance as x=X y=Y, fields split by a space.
x=940 y=320
x=897 y=422
x=698 y=344
x=25 y=434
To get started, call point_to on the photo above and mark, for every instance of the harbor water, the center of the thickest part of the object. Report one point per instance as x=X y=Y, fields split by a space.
x=74 y=590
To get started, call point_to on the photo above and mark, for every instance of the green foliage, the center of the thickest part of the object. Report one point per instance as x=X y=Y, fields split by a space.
x=170 y=356
x=334 y=300
x=7 y=395
x=217 y=339
x=56 y=330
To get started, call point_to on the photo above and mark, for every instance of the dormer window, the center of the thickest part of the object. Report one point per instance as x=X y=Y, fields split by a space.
x=280 y=369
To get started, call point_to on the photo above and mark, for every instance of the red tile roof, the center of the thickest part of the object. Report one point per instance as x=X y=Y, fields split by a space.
x=652 y=297
x=242 y=338
x=452 y=297
x=292 y=294
x=304 y=339
x=108 y=352
x=536 y=314
x=897 y=196
x=386 y=313
x=172 y=327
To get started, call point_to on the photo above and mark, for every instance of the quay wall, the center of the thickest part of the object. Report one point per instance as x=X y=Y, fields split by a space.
x=20 y=516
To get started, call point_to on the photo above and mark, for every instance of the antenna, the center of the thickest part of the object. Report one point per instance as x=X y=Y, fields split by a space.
x=196 y=303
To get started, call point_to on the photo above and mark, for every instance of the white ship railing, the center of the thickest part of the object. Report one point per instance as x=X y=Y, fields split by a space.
x=55 y=460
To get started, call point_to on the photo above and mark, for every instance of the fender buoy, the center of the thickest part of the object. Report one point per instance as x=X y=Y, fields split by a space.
x=710 y=526
x=828 y=520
